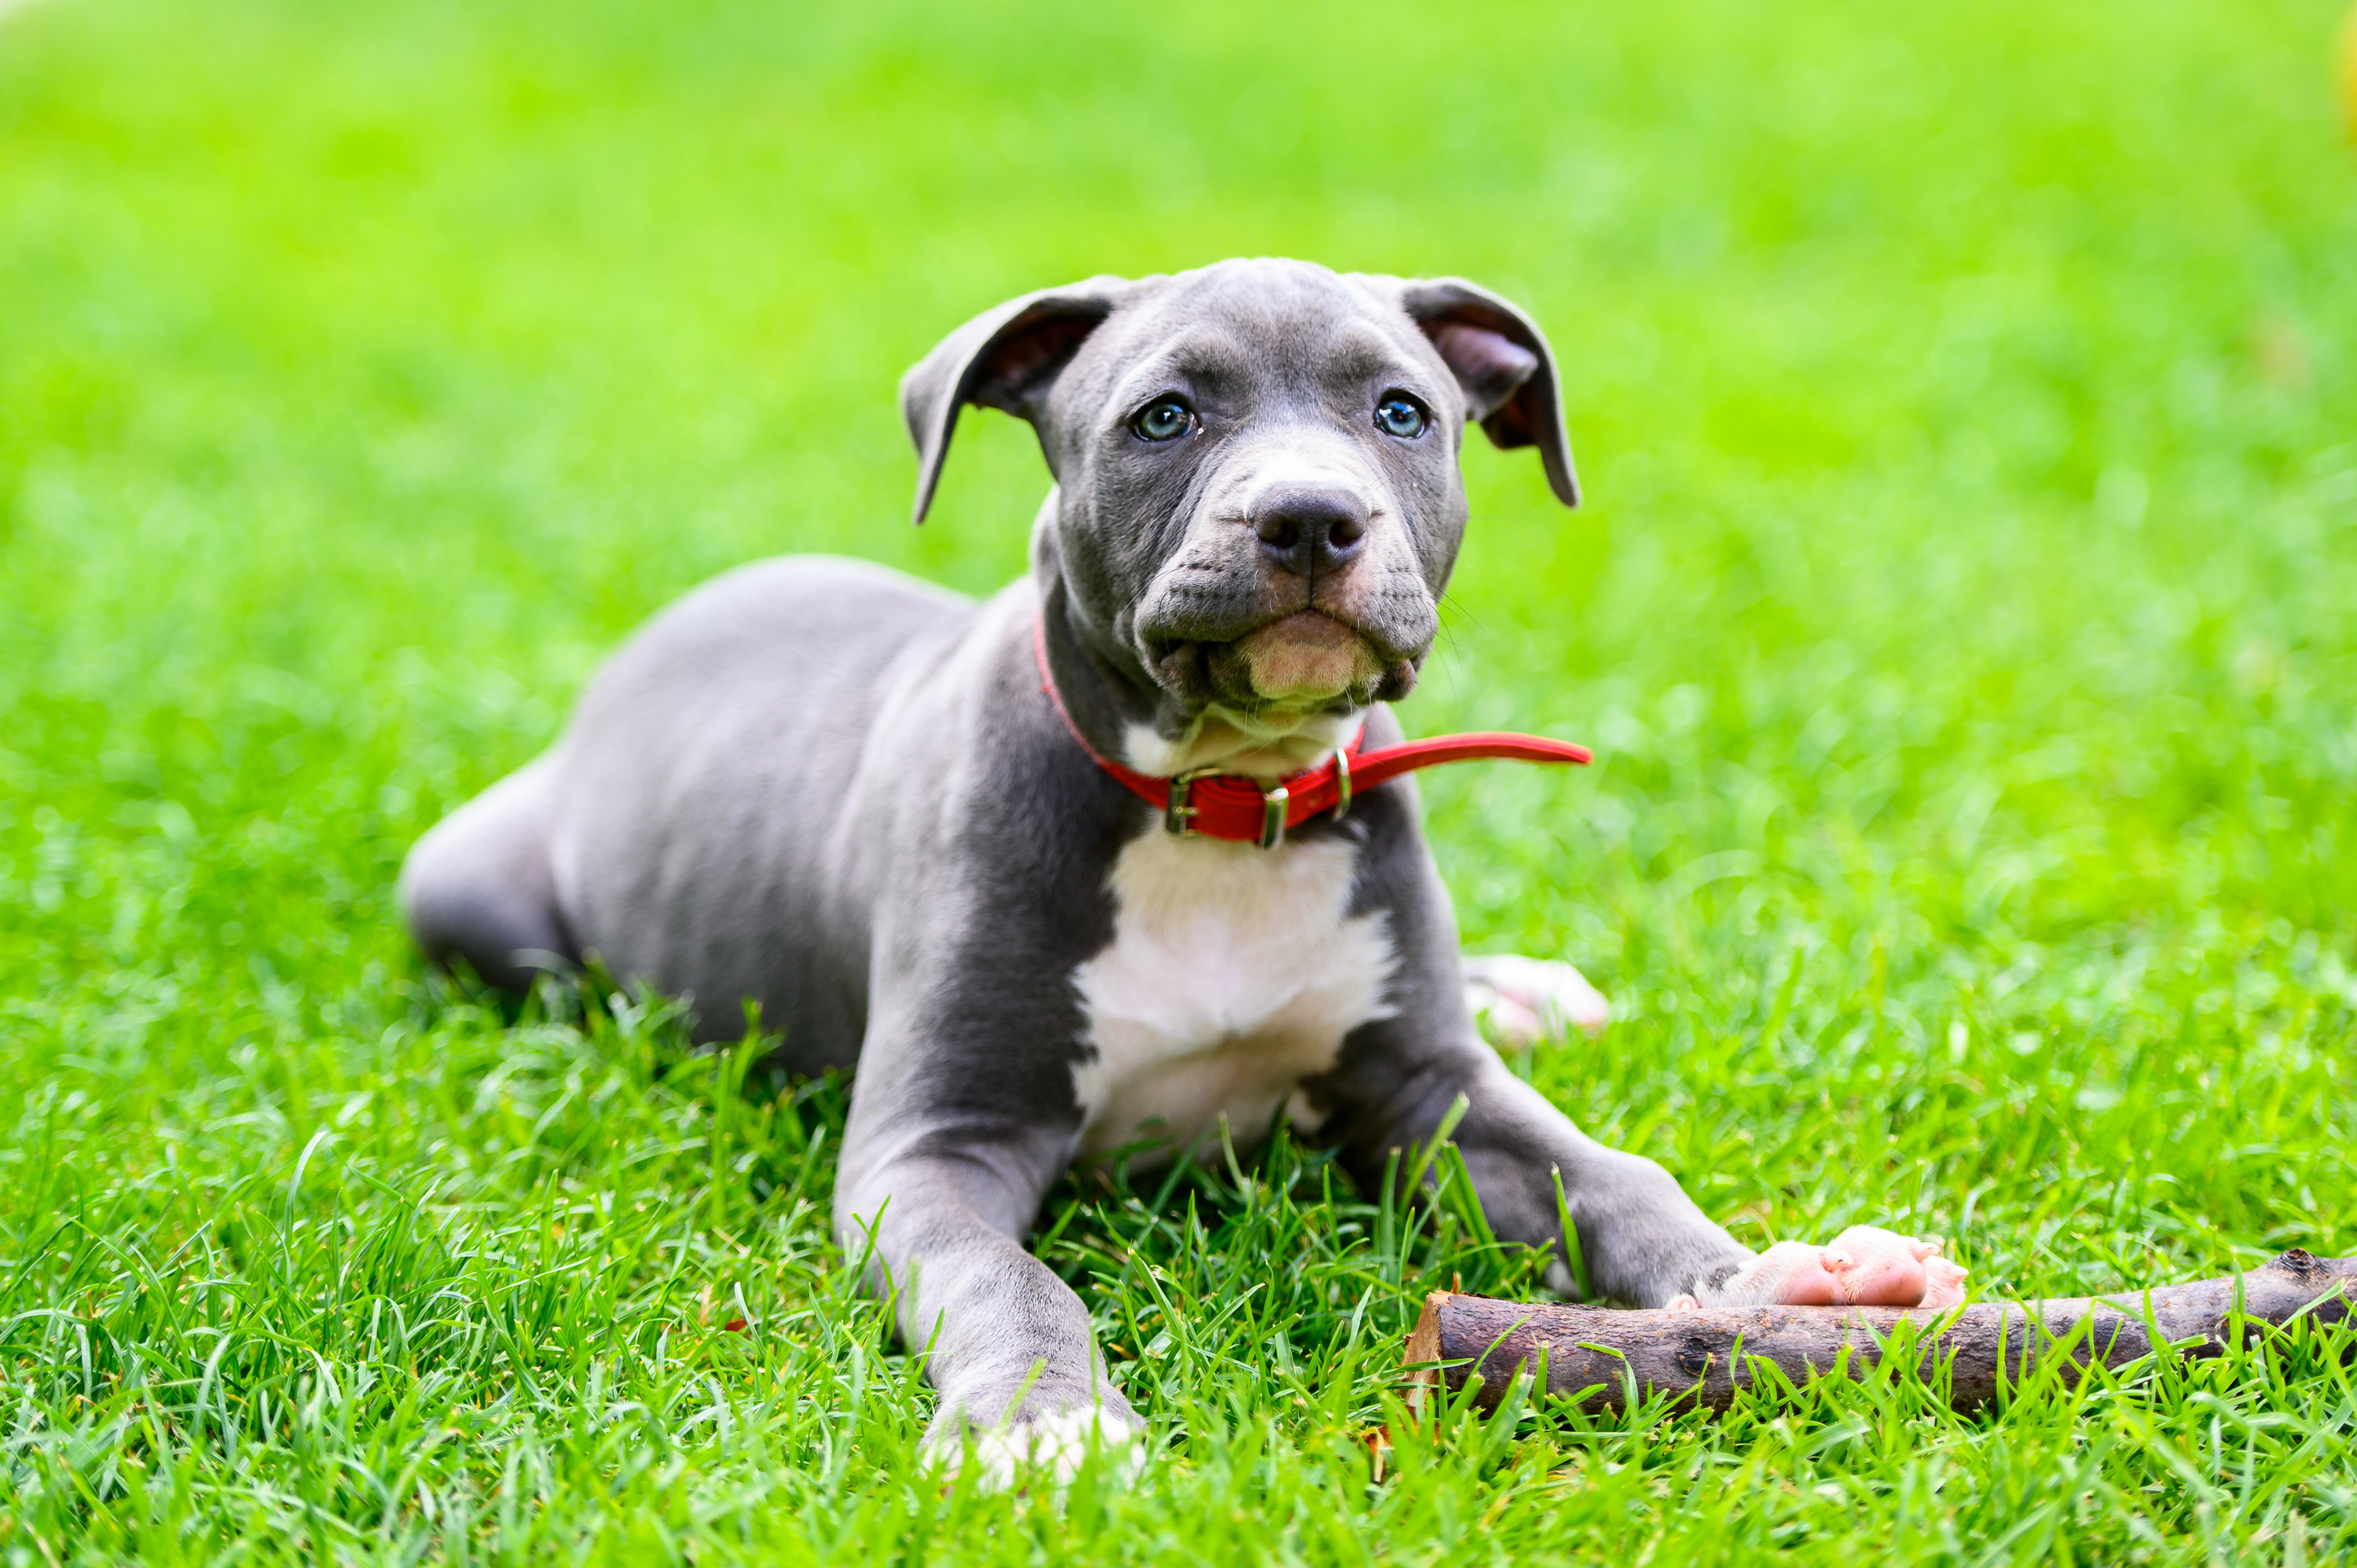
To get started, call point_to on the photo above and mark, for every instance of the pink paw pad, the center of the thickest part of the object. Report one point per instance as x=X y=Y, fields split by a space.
x=1863 y=1266
x=1866 y=1266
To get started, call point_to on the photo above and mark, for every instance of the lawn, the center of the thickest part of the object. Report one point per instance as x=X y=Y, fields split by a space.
x=1965 y=615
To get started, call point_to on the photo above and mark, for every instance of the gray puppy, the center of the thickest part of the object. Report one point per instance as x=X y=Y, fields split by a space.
x=853 y=797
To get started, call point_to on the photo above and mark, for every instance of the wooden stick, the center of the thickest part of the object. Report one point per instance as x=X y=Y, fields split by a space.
x=1594 y=1355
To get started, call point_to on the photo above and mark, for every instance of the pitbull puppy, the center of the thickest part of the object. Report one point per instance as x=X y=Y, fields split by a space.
x=849 y=796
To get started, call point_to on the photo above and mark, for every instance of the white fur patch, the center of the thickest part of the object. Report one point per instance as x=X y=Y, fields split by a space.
x=1233 y=973
x=1051 y=1446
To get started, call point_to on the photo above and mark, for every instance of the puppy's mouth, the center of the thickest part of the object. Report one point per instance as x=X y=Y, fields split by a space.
x=1303 y=661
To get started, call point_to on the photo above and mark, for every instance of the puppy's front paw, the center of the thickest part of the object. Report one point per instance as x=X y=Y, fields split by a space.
x=1523 y=1000
x=1042 y=1440
x=1863 y=1266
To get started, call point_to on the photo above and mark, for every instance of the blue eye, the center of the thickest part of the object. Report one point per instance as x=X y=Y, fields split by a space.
x=1399 y=416
x=1165 y=419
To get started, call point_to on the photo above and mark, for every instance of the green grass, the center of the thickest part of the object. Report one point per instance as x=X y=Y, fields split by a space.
x=1966 y=615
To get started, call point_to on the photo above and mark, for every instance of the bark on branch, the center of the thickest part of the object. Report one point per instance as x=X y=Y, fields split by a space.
x=1598 y=1355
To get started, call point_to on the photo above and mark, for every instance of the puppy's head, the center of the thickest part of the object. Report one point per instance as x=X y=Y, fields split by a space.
x=1258 y=496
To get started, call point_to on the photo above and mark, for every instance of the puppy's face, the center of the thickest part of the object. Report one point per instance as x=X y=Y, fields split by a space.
x=1260 y=499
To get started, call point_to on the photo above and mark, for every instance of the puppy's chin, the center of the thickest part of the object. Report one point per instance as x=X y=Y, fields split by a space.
x=1307 y=660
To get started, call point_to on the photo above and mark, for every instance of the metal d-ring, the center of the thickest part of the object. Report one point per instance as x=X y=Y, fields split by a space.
x=1341 y=782
x=1272 y=815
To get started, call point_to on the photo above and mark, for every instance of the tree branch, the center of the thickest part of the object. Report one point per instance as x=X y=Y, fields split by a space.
x=1596 y=1355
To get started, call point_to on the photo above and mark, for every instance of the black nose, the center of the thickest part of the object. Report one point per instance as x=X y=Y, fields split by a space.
x=1307 y=531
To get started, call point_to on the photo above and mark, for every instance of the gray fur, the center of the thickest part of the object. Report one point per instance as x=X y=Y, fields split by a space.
x=827 y=788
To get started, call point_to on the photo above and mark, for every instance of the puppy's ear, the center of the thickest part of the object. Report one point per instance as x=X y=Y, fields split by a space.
x=1006 y=359
x=1502 y=360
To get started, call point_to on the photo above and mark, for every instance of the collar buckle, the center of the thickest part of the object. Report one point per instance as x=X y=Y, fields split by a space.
x=1178 y=816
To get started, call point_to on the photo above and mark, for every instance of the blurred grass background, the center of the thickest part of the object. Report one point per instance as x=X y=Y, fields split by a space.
x=1967 y=395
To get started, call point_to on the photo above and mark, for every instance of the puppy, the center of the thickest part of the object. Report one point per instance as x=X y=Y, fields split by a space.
x=1123 y=854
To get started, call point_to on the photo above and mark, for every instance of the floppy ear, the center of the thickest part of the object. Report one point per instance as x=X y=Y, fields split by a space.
x=1008 y=359
x=1502 y=360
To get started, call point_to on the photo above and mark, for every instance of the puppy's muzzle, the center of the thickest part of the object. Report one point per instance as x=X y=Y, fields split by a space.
x=1288 y=605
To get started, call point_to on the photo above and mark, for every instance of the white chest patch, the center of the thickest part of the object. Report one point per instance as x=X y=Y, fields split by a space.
x=1233 y=973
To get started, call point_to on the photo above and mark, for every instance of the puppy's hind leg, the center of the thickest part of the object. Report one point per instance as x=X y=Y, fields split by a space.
x=480 y=887
x=1524 y=1000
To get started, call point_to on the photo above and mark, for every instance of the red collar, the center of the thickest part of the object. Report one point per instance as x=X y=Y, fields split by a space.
x=1230 y=806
